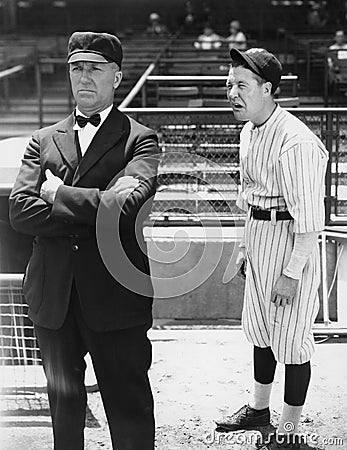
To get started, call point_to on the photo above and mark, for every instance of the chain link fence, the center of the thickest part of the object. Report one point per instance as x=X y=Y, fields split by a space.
x=200 y=156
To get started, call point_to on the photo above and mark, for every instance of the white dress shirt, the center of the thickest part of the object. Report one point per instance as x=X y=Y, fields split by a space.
x=86 y=134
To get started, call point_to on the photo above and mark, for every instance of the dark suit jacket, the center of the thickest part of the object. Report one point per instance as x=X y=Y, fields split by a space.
x=113 y=283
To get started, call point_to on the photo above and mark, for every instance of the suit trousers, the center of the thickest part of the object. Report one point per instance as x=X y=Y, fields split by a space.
x=121 y=360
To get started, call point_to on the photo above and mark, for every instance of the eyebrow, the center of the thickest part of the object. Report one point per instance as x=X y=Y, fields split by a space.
x=228 y=82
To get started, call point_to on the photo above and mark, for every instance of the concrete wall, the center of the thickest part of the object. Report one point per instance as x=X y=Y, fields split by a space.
x=213 y=298
x=192 y=277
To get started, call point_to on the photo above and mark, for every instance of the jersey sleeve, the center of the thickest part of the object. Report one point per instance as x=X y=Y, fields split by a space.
x=303 y=169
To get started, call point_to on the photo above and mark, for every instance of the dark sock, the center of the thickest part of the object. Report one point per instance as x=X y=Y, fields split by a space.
x=297 y=380
x=264 y=365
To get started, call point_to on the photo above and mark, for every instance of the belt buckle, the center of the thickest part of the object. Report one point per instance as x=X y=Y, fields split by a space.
x=273 y=213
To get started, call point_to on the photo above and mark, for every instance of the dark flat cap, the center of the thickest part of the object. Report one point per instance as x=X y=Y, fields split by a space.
x=94 y=47
x=261 y=62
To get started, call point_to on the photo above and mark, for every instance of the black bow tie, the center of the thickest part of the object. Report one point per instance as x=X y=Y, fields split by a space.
x=95 y=120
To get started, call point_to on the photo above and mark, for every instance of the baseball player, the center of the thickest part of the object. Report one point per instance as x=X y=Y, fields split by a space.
x=282 y=166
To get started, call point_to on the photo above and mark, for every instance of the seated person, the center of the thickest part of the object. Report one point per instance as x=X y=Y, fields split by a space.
x=156 y=28
x=237 y=39
x=340 y=41
x=209 y=40
x=340 y=44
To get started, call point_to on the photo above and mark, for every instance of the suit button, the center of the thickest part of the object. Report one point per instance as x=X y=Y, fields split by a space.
x=75 y=247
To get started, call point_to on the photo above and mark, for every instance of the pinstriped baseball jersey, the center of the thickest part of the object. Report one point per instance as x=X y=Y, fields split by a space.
x=282 y=166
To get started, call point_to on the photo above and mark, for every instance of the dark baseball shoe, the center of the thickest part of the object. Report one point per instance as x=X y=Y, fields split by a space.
x=284 y=442
x=245 y=418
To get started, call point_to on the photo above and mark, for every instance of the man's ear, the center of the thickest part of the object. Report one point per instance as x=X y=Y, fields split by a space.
x=117 y=78
x=267 y=88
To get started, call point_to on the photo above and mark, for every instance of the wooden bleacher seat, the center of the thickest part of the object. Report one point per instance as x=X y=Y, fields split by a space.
x=288 y=102
x=216 y=103
x=214 y=91
x=184 y=69
x=176 y=97
x=177 y=103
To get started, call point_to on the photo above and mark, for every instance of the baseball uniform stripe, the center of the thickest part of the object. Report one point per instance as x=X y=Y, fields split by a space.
x=282 y=166
x=285 y=329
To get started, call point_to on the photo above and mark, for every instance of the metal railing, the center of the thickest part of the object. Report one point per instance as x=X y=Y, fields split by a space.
x=197 y=80
x=139 y=86
x=4 y=77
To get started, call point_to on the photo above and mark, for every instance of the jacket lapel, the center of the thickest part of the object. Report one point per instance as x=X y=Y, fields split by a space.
x=106 y=137
x=64 y=139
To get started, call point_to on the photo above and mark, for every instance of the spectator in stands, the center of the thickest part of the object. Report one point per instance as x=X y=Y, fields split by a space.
x=96 y=161
x=189 y=14
x=340 y=41
x=340 y=44
x=208 y=40
x=156 y=27
x=237 y=39
x=317 y=16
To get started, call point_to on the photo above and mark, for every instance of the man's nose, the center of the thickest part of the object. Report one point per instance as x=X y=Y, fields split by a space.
x=233 y=92
x=85 y=75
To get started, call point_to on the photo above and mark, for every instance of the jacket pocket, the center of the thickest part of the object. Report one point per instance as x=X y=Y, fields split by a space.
x=34 y=278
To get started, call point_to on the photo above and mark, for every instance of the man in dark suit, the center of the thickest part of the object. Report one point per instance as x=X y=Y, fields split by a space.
x=84 y=181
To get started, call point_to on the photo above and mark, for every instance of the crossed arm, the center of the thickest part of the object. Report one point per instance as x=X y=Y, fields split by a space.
x=42 y=205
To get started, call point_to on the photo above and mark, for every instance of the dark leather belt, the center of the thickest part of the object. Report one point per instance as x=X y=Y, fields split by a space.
x=261 y=214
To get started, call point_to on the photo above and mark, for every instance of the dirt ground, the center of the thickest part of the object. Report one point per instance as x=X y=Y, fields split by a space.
x=196 y=376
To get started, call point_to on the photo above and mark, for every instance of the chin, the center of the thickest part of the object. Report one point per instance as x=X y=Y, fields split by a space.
x=240 y=116
x=86 y=97
x=85 y=104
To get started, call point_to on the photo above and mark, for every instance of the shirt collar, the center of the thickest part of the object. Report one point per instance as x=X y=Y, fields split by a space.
x=103 y=116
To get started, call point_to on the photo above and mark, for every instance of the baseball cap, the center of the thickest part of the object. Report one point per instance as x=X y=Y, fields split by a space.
x=261 y=62
x=94 y=47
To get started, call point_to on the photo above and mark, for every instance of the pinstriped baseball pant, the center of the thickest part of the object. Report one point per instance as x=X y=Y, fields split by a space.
x=287 y=330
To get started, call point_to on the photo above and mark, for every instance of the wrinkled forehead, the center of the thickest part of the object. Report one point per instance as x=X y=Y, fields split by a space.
x=112 y=66
x=240 y=73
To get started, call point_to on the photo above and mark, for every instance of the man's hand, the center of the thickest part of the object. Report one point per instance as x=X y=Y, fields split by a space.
x=284 y=291
x=234 y=266
x=125 y=186
x=50 y=187
x=240 y=259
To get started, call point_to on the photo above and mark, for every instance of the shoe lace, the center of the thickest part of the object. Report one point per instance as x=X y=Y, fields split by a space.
x=242 y=413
